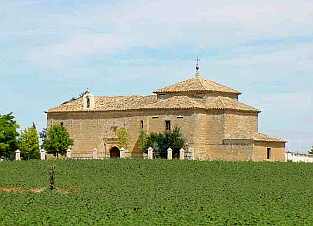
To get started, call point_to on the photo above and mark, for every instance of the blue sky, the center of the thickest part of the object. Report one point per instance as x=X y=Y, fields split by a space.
x=51 y=51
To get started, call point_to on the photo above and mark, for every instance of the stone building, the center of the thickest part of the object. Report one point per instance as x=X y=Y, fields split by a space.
x=215 y=124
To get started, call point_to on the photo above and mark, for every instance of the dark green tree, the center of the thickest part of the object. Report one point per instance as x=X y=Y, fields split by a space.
x=175 y=140
x=56 y=140
x=8 y=135
x=160 y=142
x=28 y=143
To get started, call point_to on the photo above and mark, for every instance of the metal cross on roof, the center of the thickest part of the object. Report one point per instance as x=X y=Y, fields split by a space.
x=197 y=65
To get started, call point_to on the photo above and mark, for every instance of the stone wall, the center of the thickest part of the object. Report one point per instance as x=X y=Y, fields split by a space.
x=205 y=132
x=277 y=151
x=93 y=129
x=240 y=124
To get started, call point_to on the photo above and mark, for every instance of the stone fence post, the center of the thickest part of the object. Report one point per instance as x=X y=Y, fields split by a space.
x=169 y=154
x=42 y=154
x=181 y=154
x=68 y=153
x=17 y=155
x=122 y=153
x=150 y=153
x=94 y=154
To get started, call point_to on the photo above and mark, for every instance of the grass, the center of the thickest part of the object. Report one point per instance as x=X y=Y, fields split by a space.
x=158 y=192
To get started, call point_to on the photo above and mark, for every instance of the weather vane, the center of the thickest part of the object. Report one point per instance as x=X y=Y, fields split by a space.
x=197 y=65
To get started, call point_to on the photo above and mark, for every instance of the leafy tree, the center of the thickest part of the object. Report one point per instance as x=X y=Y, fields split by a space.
x=175 y=140
x=56 y=140
x=122 y=134
x=311 y=151
x=160 y=142
x=8 y=135
x=28 y=143
x=142 y=140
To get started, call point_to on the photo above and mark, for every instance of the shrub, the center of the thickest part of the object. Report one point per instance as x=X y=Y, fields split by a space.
x=122 y=134
x=160 y=142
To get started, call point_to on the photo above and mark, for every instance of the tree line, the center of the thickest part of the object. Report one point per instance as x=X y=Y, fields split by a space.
x=55 y=140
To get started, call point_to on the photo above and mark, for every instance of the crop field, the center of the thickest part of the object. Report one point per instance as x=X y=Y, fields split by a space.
x=157 y=192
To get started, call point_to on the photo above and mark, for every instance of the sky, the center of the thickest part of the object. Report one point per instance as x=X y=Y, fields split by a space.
x=51 y=51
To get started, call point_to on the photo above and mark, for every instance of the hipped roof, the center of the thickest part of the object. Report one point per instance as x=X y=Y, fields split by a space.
x=197 y=84
x=123 y=103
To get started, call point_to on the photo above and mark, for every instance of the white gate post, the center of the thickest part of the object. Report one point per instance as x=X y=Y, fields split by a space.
x=68 y=153
x=17 y=155
x=181 y=154
x=42 y=154
x=150 y=153
x=122 y=153
x=169 y=154
x=94 y=154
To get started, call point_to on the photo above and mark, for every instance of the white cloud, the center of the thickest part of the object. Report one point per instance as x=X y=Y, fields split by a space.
x=162 y=24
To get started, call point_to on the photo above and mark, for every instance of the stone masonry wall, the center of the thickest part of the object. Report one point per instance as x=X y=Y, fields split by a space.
x=204 y=131
x=277 y=150
x=240 y=124
x=91 y=129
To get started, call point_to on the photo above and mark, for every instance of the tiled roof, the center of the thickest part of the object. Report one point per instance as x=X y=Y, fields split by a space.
x=122 y=103
x=264 y=137
x=227 y=103
x=197 y=83
x=175 y=102
x=257 y=137
x=107 y=103
x=185 y=102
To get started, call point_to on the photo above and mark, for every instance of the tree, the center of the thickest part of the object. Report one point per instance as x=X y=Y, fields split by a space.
x=56 y=140
x=160 y=142
x=28 y=143
x=122 y=135
x=311 y=151
x=8 y=135
x=142 y=140
x=175 y=140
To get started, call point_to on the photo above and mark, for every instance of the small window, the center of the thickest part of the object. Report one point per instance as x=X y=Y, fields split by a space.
x=141 y=124
x=62 y=124
x=167 y=125
x=88 y=102
x=155 y=116
x=180 y=116
x=268 y=153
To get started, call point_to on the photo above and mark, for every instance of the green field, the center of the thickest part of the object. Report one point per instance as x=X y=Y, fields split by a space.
x=144 y=192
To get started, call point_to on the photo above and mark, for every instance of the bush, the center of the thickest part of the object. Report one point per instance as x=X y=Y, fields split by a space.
x=122 y=134
x=28 y=143
x=56 y=140
x=160 y=142
x=8 y=135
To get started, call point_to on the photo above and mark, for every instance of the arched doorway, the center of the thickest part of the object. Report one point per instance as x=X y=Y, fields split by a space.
x=115 y=152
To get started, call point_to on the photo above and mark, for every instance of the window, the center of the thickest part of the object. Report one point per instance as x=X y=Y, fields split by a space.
x=88 y=102
x=62 y=124
x=167 y=125
x=180 y=116
x=268 y=153
x=141 y=124
x=155 y=116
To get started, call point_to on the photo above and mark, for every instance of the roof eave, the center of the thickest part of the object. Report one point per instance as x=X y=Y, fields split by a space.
x=198 y=91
